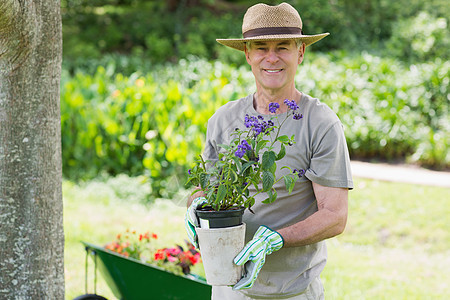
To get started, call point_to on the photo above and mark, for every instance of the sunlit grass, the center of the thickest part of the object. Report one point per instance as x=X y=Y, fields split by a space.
x=396 y=244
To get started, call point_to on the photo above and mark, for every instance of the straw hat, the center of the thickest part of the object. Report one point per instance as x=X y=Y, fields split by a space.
x=263 y=22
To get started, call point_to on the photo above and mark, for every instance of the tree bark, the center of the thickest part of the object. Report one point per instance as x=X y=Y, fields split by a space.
x=31 y=227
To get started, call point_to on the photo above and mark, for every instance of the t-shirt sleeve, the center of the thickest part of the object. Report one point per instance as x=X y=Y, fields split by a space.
x=330 y=161
x=210 y=150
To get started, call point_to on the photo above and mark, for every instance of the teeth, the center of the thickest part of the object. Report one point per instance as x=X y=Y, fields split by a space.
x=273 y=71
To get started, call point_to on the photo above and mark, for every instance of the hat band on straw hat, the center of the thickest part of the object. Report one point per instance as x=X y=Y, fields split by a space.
x=265 y=22
x=271 y=31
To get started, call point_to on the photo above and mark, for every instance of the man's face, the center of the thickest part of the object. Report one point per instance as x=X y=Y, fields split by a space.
x=274 y=63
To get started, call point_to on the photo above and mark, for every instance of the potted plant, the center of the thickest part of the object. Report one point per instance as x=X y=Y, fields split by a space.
x=250 y=159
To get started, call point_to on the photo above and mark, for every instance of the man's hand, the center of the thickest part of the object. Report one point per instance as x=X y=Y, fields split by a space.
x=264 y=242
x=190 y=220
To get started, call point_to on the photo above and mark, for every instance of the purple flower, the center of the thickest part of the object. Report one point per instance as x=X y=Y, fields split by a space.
x=291 y=104
x=257 y=124
x=244 y=144
x=242 y=148
x=250 y=121
x=273 y=106
x=189 y=171
x=299 y=173
x=297 y=116
x=239 y=153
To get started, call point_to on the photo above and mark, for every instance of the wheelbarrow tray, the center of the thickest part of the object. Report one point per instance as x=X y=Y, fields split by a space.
x=131 y=279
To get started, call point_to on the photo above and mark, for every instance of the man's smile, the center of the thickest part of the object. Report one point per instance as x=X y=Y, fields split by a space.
x=272 y=70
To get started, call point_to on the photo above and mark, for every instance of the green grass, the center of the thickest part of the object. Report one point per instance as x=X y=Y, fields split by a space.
x=396 y=244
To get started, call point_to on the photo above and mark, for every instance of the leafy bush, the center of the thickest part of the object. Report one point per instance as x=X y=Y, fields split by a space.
x=155 y=124
x=152 y=124
x=420 y=38
x=390 y=111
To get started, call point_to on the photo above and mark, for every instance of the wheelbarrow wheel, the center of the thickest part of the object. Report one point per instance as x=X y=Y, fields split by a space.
x=90 y=297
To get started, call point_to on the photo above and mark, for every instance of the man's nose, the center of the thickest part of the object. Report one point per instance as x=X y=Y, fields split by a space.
x=272 y=56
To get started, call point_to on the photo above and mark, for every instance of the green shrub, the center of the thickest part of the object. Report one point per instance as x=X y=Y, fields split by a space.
x=420 y=38
x=151 y=124
x=387 y=108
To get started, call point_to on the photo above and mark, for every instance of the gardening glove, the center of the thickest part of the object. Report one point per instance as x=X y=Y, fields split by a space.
x=264 y=242
x=190 y=220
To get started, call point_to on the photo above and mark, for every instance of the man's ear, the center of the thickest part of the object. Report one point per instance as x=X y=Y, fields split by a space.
x=301 y=53
x=247 y=56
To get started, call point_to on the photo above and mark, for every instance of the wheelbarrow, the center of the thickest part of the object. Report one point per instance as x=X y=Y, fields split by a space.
x=131 y=279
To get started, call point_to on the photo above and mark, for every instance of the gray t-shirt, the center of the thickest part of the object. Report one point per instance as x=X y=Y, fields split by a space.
x=320 y=149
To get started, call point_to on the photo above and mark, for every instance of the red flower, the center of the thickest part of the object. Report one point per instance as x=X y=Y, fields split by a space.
x=160 y=254
x=111 y=246
x=195 y=258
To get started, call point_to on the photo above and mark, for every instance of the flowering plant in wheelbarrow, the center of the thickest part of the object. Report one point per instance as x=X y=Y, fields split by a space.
x=176 y=259
x=249 y=160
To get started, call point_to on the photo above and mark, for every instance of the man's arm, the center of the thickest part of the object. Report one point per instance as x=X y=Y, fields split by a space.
x=191 y=198
x=328 y=221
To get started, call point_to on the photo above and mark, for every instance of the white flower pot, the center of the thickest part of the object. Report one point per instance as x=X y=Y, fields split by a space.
x=218 y=247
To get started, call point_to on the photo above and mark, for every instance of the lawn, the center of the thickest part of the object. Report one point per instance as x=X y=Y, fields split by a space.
x=396 y=244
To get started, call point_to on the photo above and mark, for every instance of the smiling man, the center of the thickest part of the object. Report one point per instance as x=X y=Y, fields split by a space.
x=285 y=251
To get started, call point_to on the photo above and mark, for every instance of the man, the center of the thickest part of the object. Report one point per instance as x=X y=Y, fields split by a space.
x=293 y=228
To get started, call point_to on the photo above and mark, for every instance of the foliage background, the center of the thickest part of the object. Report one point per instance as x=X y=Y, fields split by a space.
x=141 y=78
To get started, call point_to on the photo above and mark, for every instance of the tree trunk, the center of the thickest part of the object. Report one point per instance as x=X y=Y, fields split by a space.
x=31 y=227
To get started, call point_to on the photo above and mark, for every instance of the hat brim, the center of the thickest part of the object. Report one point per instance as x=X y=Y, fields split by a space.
x=239 y=44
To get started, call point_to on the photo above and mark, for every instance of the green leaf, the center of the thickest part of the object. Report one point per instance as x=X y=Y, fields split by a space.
x=274 y=196
x=283 y=139
x=255 y=185
x=251 y=202
x=282 y=152
x=260 y=145
x=204 y=178
x=289 y=182
x=268 y=160
x=246 y=165
x=233 y=176
x=273 y=168
x=221 y=192
x=238 y=163
x=272 y=193
x=211 y=197
x=224 y=146
x=267 y=180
